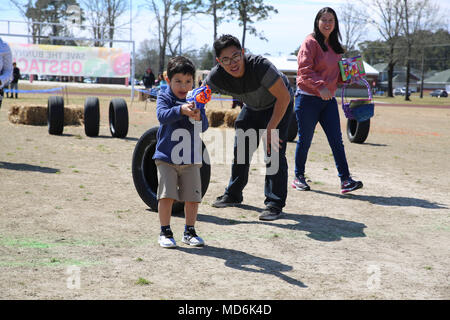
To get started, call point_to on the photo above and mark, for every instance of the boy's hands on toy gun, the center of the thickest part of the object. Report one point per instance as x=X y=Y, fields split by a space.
x=191 y=111
x=200 y=96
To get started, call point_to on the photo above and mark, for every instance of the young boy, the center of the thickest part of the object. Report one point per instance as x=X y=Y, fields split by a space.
x=179 y=169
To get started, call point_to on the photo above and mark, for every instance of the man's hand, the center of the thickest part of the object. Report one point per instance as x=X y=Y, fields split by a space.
x=281 y=93
x=273 y=140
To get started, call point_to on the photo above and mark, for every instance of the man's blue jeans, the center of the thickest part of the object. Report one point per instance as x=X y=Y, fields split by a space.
x=275 y=186
x=309 y=110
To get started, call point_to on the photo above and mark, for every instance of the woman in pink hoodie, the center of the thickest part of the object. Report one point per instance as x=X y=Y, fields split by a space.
x=317 y=78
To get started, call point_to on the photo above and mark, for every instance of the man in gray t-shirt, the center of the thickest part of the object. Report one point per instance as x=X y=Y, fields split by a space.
x=268 y=100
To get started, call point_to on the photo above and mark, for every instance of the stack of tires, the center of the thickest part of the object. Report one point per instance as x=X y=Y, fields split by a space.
x=118 y=116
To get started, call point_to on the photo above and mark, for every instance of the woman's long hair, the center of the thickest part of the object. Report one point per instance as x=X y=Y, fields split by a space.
x=335 y=35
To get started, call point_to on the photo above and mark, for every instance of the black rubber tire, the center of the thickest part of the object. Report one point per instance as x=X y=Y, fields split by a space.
x=293 y=128
x=55 y=115
x=118 y=118
x=357 y=132
x=145 y=175
x=91 y=116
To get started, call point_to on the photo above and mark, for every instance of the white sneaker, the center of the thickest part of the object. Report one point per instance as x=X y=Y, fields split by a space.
x=190 y=237
x=166 y=240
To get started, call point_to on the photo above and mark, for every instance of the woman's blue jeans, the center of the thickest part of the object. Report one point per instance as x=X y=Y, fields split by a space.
x=309 y=110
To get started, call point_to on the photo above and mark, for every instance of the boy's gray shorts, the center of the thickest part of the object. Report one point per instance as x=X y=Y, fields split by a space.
x=179 y=182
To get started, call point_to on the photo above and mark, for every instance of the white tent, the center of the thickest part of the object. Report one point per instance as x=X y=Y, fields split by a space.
x=289 y=64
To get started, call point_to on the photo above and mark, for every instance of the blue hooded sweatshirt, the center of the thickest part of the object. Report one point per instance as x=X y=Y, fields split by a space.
x=178 y=137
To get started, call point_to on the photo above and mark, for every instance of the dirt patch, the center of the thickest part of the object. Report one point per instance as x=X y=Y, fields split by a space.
x=73 y=226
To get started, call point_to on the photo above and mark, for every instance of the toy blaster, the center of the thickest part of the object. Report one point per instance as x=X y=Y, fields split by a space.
x=200 y=96
x=352 y=68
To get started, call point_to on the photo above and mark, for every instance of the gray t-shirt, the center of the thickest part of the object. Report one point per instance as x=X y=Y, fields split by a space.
x=253 y=87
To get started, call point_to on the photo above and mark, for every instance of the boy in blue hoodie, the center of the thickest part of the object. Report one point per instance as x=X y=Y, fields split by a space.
x=178 y=154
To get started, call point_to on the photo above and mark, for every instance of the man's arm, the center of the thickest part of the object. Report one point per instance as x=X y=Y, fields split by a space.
x=281 y=93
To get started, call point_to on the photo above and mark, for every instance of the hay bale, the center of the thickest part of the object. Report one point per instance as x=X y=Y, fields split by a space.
x=73 y=115
x=30 y=115
x=230 y=117
x=215 y=117
x=143 y=96
x=36 y=115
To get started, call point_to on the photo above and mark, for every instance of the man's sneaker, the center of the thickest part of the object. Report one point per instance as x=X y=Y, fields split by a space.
x=299 y=183
x=166 y=239
x=191 y=238
x=225 y=201
x=270 y=213
x=350 y=185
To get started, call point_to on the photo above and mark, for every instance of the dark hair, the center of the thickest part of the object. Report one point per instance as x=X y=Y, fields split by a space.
x=180 y=64
x=335 y=35
x=225 y=41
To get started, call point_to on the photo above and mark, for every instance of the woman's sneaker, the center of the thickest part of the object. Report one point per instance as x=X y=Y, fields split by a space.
x=299 y=183
x=191 y=238
x=166 y=239
x=350 y=185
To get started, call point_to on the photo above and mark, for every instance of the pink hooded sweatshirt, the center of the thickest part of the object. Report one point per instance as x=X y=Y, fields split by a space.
x=316 y=68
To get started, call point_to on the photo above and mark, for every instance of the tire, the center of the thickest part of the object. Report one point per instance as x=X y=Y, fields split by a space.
x=145 y=175
x=91 y=117
x=293 y=129
x=357 y=132
x=55 y=115
x=118 y=118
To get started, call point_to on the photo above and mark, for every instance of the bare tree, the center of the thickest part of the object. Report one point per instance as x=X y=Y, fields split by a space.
x=95 y=15
x=113 y=9
x=164 y=11
x=388 y=21
x=418 y=15
x=353 y=23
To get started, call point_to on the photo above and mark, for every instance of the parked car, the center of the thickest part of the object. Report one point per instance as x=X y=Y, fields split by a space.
x=403 y=91
x=440 y=93
x=136 y=82
x=397 y=91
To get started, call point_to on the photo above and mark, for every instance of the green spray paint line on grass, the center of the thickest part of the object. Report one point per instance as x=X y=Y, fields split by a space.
x=40 y=244
x=50 y=263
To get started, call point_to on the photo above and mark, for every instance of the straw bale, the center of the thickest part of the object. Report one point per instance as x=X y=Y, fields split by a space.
x=36 y=115
x=143 y=96
x=230 y=117
x=73 y=115
x=30 y=115
x=215 y=117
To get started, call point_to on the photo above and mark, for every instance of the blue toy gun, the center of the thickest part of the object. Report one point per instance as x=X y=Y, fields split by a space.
x=200 y=96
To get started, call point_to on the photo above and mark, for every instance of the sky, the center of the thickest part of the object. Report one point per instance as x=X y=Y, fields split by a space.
x=285 y=31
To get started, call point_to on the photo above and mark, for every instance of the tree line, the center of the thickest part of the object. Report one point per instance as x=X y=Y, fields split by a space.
x=53 y=21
